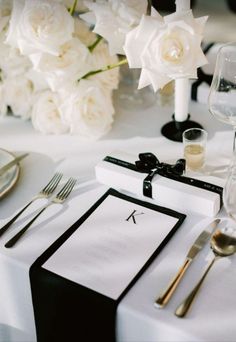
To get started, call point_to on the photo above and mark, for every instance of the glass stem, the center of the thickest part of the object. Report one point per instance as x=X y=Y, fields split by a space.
x=234 y=143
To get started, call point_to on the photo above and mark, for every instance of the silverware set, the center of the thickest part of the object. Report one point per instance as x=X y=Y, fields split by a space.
x=46 y=192
x=222 y=243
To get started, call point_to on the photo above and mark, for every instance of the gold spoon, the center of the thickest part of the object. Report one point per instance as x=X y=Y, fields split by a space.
x=222 y=244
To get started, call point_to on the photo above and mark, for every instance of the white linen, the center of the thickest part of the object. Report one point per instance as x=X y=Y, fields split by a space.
x=76 y=158
x=212 y=314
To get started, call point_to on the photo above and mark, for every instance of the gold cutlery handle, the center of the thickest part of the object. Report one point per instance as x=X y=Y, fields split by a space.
x=165 y=297
x=183 y=308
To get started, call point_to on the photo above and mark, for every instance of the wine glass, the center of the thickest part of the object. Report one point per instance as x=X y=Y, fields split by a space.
x=229 y=192
x=222 y=96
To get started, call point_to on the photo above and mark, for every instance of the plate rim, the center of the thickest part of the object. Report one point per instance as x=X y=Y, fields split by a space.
x=14 y=179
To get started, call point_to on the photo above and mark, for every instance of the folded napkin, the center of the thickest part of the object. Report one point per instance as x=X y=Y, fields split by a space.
x=80 y=279
x=203 y=197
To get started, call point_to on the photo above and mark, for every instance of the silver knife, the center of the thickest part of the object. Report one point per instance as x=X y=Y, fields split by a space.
x=12 y=163
x=198 y=244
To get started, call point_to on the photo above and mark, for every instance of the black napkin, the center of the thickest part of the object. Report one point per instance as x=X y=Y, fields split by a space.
x=67 y=311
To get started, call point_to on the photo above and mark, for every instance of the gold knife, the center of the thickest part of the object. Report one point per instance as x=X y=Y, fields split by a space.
x=12 y=163
x=198 y=244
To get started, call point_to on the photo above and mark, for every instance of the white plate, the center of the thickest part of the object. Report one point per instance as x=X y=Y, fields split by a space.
x=9 y=179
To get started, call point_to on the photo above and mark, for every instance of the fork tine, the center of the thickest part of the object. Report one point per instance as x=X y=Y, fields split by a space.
x=66 y=190
x=55 y=183
x=63 y=188
x=58 y=199
x=51 y=180
x=69 y=189
x=52 y=184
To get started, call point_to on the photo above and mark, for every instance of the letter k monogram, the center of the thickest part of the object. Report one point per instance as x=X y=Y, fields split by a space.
x=133 y=215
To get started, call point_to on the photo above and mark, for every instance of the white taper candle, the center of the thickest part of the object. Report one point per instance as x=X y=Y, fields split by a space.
x=182 y=85
x=182 y=5
x=182 y=92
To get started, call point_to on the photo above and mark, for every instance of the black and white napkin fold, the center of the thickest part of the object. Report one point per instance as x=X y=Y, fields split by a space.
x=78 y=282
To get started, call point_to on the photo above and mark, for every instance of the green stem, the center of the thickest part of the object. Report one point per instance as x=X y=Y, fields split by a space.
x=106 y=68
x=72 y=9
x=149 y=7
x=92 y=46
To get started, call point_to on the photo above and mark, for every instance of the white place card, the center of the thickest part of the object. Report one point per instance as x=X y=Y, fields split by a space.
x=113 y=244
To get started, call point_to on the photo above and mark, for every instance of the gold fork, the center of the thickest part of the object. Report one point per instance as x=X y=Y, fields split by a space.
x=58 y=199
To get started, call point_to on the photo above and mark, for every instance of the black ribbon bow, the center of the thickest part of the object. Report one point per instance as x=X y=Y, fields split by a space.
x=149 y=163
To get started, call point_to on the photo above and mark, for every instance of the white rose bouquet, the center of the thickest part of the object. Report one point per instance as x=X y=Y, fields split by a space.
x=59 y=73
x=45 y=49
x=164 y=48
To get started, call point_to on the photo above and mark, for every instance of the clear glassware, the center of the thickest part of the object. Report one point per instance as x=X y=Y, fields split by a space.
x=229 y=193
x=130 y=97
x=222 y=96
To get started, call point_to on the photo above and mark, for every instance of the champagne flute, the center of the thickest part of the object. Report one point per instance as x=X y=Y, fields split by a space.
x=222 y=96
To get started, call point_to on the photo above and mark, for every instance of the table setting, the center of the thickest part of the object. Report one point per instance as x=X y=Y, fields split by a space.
x=117 y=210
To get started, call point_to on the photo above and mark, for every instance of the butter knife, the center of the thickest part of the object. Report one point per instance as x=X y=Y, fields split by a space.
x=9 y=165
x=198 y=244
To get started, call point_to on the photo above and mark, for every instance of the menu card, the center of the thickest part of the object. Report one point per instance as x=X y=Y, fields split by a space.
x=113 y=243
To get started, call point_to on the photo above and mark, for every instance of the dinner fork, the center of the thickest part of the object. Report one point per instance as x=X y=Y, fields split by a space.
x=60 y=197
x=44 y=193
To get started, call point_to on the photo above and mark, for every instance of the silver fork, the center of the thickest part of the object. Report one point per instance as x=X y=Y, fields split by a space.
x=58 y=199
x=44 y=193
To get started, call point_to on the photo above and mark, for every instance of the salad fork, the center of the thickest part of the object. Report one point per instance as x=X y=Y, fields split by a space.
x=61 y=196
x=44 y=193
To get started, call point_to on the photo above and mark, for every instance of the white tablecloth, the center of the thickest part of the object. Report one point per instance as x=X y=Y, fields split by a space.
x=212 y=316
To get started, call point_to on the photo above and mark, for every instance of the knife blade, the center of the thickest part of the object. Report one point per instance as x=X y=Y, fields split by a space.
x=196 y=247
x=9 y=165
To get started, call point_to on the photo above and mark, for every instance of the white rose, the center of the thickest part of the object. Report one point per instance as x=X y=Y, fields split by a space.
x=46 y=117
x=101 y=58
x=19 y=95
x=89 y=110
x=38 y=80
x=12 y=63
x=39 y=26
x=113 y=19
x=166 y=48
x=5 y=12
x=83 y=32
x=72 y=63
x=3 y=105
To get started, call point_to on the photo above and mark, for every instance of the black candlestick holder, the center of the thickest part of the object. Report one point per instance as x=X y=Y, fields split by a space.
x=173 y=130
